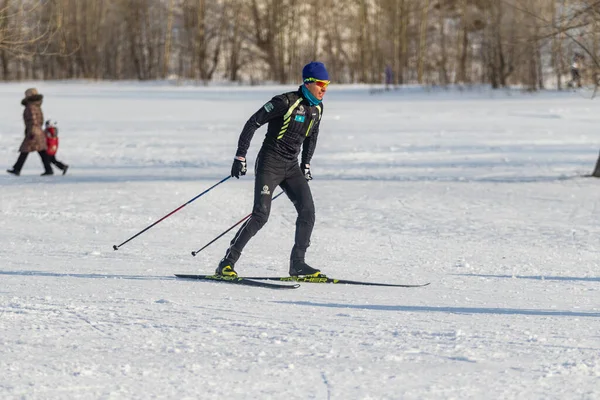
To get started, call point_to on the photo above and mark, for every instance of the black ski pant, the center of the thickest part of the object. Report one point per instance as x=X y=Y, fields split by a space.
x=271 y=172
x=23 y=156
x=54 y=161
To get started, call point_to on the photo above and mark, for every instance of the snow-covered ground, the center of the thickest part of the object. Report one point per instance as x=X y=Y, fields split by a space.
x=478 y=193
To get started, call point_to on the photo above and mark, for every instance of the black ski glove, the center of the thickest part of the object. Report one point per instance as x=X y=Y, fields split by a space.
x=238 y=168
x=306 y=171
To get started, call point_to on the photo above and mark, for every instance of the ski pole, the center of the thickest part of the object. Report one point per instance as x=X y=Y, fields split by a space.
x=230 y=228
x=116 y=247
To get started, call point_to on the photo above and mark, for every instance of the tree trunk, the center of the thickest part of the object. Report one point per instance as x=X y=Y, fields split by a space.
x=200 y=44
x=443 y=69
x=422 y=42
x=5 y=69
x=363 y=40
x=556 y=48
x=168 y=38
x=463 y=45
x=235 y=43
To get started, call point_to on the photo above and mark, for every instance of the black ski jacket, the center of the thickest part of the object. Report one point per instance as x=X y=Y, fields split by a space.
x=293 y=124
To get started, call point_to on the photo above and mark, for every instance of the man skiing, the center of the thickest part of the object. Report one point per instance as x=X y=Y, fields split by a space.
x=294 y=120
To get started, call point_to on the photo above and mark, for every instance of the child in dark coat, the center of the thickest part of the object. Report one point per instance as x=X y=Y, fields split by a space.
x=51 y=131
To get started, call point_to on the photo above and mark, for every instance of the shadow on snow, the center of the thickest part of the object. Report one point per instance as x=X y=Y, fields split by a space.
x=103 y=179
x=88 y=276
x=537 y=277
x=140 y=178
x=449 y=310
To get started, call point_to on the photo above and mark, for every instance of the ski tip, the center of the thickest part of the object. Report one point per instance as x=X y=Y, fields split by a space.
x=295 y=286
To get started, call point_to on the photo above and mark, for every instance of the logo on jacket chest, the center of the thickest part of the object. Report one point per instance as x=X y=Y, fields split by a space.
x=300 y=114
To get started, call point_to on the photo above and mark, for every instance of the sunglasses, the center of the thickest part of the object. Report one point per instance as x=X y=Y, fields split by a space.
x=318 y=82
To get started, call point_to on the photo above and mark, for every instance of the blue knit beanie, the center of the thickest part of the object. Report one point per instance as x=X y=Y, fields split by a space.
x=315 y=70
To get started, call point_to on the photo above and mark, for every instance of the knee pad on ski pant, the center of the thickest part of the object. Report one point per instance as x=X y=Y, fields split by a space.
x=260 y=214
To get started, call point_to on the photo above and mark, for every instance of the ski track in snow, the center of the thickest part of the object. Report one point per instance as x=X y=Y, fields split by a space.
x=480 y=193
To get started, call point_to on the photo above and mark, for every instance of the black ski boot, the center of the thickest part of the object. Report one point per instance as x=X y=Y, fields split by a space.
x=300 y=268
x=225 y=268
x=14 y=172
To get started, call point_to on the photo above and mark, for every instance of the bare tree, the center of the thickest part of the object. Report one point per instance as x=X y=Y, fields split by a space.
x=501 y=42
x=26 y=31
x=268 y=21
x=204 y=28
